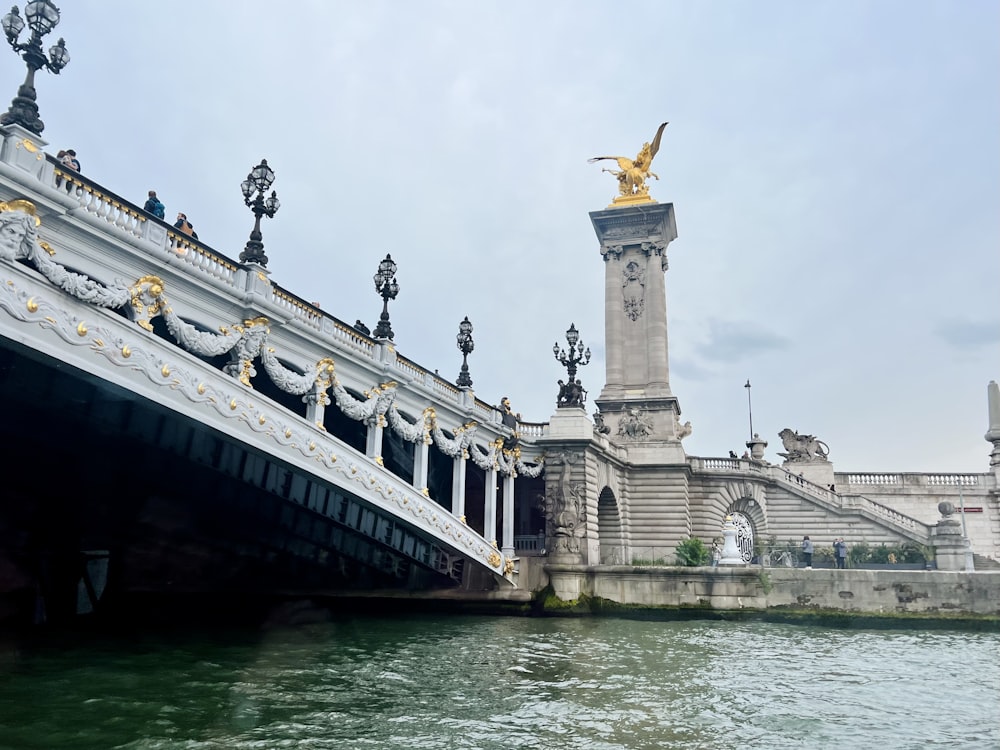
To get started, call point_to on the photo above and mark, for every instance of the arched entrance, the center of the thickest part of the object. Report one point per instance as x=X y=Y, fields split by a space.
x=744 y=535
x=609 y=529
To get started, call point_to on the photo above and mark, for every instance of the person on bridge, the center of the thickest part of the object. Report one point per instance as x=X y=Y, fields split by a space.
x=184 y=225
x=154 y=206
x=807 y=552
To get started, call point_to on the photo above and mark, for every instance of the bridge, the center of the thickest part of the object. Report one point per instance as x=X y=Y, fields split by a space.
x=176 y=421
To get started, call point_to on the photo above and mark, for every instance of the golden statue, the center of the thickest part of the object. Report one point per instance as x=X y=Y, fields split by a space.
x=632 y=174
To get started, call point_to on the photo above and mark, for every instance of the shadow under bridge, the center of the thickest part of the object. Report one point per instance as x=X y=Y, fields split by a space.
x=174 y=503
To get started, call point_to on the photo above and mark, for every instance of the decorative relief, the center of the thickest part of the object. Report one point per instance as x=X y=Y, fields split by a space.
x=610 y=250
x=236 y=404
x=246 y=343
x=635 y=424
x=565 y=510
x=656 y=248
x=633 y=289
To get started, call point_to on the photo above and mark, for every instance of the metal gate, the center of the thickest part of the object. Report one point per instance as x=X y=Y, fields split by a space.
x=744 y=535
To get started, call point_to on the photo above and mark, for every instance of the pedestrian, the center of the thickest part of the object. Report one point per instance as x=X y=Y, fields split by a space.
x=732 y=454
x=807 y=552
x=184 y=225
x=154 y=206
x=840 y=552
x=716 y=553
x=69 y=160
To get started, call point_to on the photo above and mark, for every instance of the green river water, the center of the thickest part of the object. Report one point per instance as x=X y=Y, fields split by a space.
x=447 y=682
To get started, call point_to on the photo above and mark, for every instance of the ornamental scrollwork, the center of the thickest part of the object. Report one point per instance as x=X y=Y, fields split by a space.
x=245 y=343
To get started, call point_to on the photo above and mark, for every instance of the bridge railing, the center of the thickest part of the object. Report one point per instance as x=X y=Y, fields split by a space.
x=838 y=502
x=134 y=225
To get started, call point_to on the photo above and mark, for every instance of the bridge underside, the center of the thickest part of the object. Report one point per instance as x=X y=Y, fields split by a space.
x=180 y=509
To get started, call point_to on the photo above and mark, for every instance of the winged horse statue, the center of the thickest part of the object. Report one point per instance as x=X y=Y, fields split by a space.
x=632 y=173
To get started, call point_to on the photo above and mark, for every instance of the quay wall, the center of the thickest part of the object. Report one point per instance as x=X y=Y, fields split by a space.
x=877 y=592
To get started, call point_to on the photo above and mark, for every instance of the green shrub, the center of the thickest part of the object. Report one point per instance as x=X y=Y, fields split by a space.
x=692 y=552
x=823 y=554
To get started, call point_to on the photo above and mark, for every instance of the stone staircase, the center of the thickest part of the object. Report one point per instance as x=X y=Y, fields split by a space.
x=985 y=563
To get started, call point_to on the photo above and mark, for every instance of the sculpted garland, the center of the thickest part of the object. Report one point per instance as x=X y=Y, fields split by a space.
x=246 y=343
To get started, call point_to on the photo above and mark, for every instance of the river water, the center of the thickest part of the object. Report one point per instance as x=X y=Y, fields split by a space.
x=452 y=682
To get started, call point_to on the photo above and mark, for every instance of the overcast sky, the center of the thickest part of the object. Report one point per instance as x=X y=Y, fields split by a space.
x=834 y=169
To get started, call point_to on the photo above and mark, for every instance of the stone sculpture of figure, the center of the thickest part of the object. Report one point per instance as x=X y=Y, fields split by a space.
x=18 y=229
x=571 y=393
x=802 y=447
x=599 y=425
x=509 y=419
x=635 y=425
x=632 y=173
x=565 y=510
x=683 y=430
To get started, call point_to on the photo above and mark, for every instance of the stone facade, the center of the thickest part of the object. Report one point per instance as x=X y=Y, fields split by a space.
x=640 y=494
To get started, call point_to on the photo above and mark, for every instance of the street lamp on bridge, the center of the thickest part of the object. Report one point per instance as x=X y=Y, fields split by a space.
x=571 y=393
x=465 y=345
x=388 y=288
x=42 y=17
x=258 y=181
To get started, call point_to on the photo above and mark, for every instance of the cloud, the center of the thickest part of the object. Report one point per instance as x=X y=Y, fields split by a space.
x=967 y=335
x=737 y=341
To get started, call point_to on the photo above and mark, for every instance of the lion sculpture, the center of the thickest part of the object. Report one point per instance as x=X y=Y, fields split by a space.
x=802 y=447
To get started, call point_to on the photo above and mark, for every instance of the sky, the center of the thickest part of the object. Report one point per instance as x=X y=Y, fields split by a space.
x=834 y=169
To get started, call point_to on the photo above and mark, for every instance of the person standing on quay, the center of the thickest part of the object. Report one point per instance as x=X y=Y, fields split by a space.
x=716 y=553
x=840 y=552
x=807 y=552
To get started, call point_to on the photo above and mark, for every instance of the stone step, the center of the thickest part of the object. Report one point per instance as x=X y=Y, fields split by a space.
x=985 y=563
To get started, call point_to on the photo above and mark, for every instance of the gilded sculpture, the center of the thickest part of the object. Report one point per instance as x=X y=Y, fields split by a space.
x=633 y=173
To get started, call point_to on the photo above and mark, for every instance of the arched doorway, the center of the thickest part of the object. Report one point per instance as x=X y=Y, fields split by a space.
x=744 y=535
x=609 y=529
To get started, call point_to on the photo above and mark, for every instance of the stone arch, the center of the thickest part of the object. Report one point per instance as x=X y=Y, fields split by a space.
x=610 y=533
x=745 y=501
x=749 y=498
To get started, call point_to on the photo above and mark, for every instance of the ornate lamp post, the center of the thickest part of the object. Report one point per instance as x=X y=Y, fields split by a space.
x=42 y=17
x=465 y=345
x=258 y=181
x=571 y=394
x=575 y=356
x=386 y=286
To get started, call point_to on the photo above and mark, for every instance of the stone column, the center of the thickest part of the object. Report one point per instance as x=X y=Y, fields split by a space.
x=373 y=441
x=420 y=458
x=490 y=508
x=636 y=402
x=947 y=540
x=507 y=543
x=458 y=489
x=993 y=433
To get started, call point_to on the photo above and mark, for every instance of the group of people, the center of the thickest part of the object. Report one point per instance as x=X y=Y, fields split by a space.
x=155 y=206
x=839 y=552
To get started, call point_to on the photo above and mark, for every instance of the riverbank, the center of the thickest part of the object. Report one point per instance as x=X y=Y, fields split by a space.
x=877 y=593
